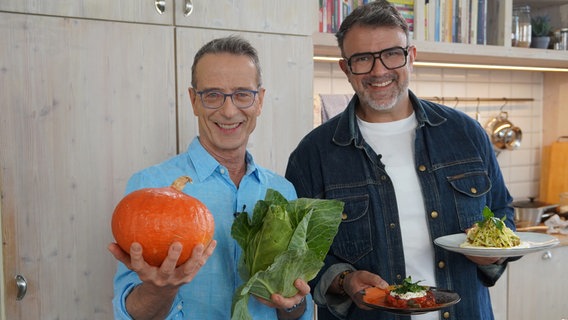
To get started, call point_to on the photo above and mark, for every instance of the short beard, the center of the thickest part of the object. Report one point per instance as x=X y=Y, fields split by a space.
x=389 y=103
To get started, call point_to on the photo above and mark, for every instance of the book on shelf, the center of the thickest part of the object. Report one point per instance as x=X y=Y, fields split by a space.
x=332 y=12
x=458 y=21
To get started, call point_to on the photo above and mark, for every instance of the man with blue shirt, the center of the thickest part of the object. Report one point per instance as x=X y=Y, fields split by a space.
x=226 y=97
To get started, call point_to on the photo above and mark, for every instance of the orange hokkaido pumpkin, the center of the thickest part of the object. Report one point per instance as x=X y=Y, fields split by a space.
x=158 y=217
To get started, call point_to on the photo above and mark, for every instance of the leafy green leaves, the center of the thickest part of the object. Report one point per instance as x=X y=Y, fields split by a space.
x=283 y=241
x=489 y=217
x=408 y=286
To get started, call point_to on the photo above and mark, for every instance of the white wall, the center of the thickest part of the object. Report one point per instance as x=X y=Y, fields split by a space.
x=521 y=167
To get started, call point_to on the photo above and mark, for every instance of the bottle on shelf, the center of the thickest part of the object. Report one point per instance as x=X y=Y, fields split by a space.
x=522 y=29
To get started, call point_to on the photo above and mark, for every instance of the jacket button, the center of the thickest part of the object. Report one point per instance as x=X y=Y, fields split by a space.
x=398 y=276
x=384 y=178
x=441 y=264
x=344 y=216
x=422 y=168
x=446 y=315
x=434 y=214
x=473 y=190
x=392 y=225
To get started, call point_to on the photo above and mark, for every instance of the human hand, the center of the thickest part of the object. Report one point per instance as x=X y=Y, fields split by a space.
x=360 y=280
x=483 y=261
x=166 y=275
x=280 y=302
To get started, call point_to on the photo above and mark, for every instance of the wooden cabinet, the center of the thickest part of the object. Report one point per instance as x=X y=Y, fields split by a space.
x=537 y=286
x=93 y=91
x=82 y=107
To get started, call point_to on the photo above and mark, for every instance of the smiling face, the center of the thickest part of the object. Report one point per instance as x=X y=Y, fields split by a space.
x=224 y=132
x=383 y=93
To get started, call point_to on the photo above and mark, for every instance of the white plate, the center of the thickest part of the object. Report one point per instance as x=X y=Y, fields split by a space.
x=530 y=242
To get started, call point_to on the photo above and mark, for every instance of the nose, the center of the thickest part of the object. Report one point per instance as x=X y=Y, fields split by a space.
x=228 y=108
x=378 y=66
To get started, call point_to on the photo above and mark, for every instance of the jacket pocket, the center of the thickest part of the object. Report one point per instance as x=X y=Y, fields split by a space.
x=469 y=195
x=353 y=240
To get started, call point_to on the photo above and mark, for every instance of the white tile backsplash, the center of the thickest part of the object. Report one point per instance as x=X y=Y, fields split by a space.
x=521 y=167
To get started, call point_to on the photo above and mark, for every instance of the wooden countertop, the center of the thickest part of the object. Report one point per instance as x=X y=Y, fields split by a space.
x=542 y=229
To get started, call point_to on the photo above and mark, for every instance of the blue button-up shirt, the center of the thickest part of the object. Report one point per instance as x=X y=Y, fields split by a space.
x=458 y=174
x=209 y=294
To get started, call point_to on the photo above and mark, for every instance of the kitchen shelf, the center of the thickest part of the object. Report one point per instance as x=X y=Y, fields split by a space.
x=429 y=51
x=498 y=52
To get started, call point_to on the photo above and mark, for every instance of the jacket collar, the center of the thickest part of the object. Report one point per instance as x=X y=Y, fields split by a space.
x=347 y=130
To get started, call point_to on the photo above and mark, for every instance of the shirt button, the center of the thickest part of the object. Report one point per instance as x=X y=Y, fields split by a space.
x=446 y=315
x=344 y=216
x=398 y=276
x=441 y=264
x=392 y=225
x=473 y=190
x=222 y=171
x=179 y=307
x=434 y=214
x=422 y=167
x=383 y=177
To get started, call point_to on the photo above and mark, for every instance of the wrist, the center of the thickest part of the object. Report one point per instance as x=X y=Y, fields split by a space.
x=296 y=306
x=294 y=312
x=341 y=281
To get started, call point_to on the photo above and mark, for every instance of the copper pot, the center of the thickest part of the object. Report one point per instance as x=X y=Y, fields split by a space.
x=504 y=135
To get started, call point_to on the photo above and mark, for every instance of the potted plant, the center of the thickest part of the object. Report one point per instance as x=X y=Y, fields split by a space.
x=540 y=31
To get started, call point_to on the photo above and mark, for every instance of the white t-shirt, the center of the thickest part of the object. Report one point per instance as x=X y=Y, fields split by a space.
x=395 y=142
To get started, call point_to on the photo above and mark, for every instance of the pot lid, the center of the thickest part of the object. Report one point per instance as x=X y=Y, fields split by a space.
x=531 y=203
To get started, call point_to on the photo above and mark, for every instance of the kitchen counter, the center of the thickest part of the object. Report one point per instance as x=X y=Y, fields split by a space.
x=542 y=229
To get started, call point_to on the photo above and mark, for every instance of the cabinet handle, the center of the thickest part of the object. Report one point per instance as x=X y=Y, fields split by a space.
x=22 y=286
x=160 y=6
x=547 y=255
x=188 y=8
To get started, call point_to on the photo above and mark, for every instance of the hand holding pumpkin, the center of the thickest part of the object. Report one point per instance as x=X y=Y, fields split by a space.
x=167 y=273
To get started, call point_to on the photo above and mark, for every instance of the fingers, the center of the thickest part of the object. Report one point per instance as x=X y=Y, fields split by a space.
x=278 y=301
x=136 y=259
x=119 y=254
x=198 y=258
x=483 y=260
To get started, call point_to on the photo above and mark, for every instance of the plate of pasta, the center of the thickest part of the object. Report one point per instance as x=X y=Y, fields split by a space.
x=491 y=237
x=529 y=242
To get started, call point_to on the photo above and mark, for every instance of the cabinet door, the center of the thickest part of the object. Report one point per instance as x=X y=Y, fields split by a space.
x=117 y=10
x=287 y=71
x=84 y=104
x=537 y=286
x=285 y=17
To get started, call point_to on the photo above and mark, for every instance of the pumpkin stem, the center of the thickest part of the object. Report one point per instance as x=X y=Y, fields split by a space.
x=180 y=183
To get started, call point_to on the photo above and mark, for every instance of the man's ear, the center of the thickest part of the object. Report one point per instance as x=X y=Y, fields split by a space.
x=193 y=98
x=343 y=65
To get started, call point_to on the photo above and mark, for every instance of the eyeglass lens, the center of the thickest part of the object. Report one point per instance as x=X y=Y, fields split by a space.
x=215 y=99
x=391 y=58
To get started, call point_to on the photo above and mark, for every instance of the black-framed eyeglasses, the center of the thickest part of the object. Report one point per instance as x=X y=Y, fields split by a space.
x=391 y=58
x=215 y=99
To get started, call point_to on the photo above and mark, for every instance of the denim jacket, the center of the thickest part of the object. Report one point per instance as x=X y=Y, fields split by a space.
x=459 y=175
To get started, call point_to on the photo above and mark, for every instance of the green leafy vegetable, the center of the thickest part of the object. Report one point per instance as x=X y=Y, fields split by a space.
x=282 y=241
x=489 y=217
x=491 y=232
x=408 y=286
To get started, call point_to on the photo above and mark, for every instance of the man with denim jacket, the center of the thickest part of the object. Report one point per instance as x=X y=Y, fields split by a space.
x=408 y=170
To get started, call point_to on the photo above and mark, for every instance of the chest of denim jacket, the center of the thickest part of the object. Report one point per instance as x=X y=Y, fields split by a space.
x=454 y=182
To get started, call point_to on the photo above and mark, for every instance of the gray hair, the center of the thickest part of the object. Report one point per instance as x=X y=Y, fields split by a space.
x=231 y=44
x=379 y=13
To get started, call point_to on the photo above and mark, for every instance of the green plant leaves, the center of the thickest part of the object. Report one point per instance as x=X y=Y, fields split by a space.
x=283 y=241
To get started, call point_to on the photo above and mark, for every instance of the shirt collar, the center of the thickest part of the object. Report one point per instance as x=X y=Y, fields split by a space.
x=205 y=165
